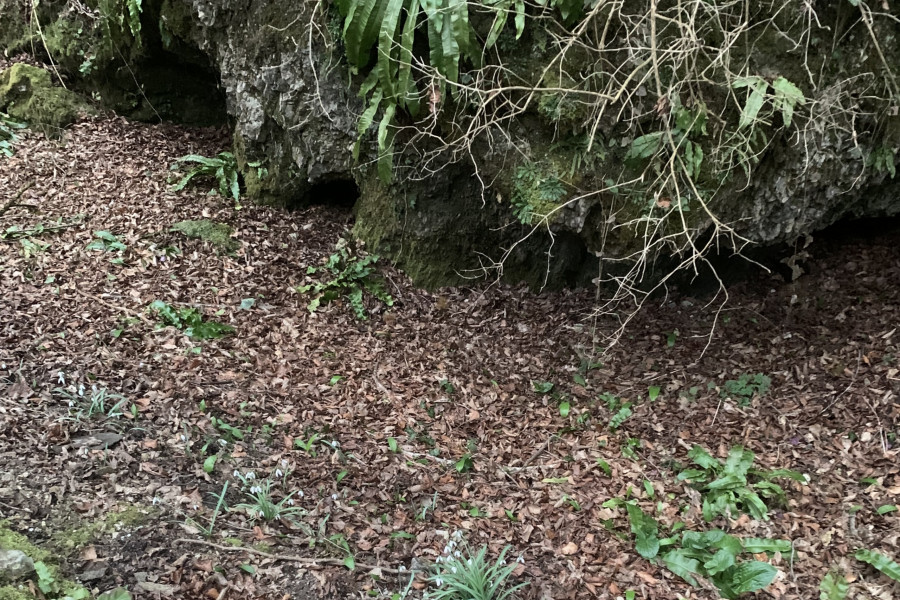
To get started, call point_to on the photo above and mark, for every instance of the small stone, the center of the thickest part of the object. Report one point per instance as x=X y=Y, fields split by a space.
x=157 y=588
x=93 y=573
x=15 y=564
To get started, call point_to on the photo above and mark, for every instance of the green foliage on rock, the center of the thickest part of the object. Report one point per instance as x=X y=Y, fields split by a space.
x=27 y=94
x=217 y=234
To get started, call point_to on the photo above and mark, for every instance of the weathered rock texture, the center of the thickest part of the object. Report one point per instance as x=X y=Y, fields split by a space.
x=294 y=107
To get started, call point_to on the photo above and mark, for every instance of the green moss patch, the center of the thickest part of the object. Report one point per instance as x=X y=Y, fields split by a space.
x=28 y=94
x=217 y=234
x=10 y=592
x=47 y=574
x=10 y=540
x=85 y=533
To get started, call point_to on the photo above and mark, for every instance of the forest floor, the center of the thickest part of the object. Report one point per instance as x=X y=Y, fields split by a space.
x=431 y=416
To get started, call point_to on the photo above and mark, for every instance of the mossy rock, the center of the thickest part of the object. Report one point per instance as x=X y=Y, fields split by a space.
x=217 y=234
x=28 y=94
x=10 y=540
x=15 y=592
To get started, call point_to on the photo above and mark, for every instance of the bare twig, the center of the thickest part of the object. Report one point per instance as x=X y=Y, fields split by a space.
x=15 y=201
x=306 y=561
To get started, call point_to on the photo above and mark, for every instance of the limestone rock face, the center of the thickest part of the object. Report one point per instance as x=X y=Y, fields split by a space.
x=289 y=97
x=294 y=106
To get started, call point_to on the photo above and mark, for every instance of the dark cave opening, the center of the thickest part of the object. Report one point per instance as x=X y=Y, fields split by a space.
x=339 y=192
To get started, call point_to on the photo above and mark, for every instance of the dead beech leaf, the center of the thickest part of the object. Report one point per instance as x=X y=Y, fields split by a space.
x=569 y=549
x=647 y=577
x=19 y=389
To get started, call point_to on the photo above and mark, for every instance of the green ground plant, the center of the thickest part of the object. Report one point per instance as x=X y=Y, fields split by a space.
x=461 y=574
x=106 y=242
x=222 y=168
x=8 y=137
x=834 y=586
x=880 y=561
x=735 y=487
x=352 y=274
x=713 y=555
x=745 y=387
x=262 y=504
x=98 y=402
x=189 y=320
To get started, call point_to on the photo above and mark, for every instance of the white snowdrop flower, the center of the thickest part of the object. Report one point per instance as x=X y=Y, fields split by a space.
x=447 y=549
x=284 y=462
x=61 y=378
x=334 y=496
x=236 y=473
x=251 y=475
x=457 y=534
x=155 y=501
x=300 y=493
x=439 y=559
x=183 y=438
x=520 y=560
x=196 y=507
x=291 y=501
x=71 y=403
x=457 y=554
x=439 y=582
x=451 y=544
x=223 y=443
x=502 y=562
x=81 y=389
x=278 y=473
x=401 y=568
x=453 y=569
x=469 y=562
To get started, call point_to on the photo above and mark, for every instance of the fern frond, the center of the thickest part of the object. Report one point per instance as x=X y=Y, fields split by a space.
x=386 y=36
x=386 y=144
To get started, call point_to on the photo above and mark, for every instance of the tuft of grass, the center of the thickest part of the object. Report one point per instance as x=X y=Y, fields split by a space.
x=460 y=574
x=98 y=403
